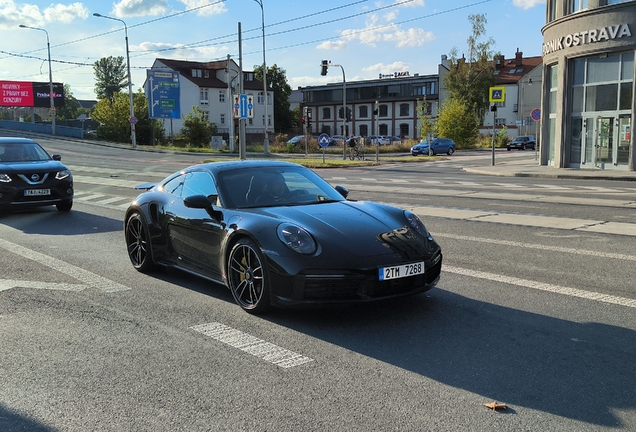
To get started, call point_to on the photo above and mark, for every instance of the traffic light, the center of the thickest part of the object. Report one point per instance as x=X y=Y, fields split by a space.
x=325 y=66
x=303 y=119
x=348 y=114
x=309 y=123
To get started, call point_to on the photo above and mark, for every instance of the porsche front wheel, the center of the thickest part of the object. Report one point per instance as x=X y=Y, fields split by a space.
x=247 y=277
x=138 y=243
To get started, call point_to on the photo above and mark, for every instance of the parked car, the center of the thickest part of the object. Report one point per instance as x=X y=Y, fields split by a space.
x=277 y=234
x=522 y=143
x=438 y=146
x=31 y=177
x=298 y=139
x=338 y=139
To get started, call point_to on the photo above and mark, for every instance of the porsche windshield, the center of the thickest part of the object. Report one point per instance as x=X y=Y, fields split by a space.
x=274 y=186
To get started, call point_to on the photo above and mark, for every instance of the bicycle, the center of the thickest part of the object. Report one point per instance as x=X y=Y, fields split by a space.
x=355 y=153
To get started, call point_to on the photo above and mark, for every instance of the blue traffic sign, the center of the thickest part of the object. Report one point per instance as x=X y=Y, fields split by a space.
x=323 y=140
x=243 y=106
x=163 y=93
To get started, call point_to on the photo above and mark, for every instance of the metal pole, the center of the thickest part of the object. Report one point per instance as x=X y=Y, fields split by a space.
x=266 y=138
x=51 y=94
x=132 y=120
x=242 y=125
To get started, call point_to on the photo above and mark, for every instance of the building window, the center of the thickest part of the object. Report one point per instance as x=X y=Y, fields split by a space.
x=269 y=120
x=248 y=76
x=203 y=94
x=576 y=5
x=384 y=112
x=500 y=122
x=222 y=96
x=206 y=115
x=404 y=130
x=261 y=99
x=363 y=111
x=326 y=113
x=384 y=129
x=364 y=130
x=206 y=73
x=404 y=109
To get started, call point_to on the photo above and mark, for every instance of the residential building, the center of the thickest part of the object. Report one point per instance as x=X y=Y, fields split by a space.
x=384 y=106
x=588 y=84
x=213 y=87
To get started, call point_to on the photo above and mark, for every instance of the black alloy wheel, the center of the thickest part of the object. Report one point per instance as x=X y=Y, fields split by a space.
x=247 y=277
x=137 y=243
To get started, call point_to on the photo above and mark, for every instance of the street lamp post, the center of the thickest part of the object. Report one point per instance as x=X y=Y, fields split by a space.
x=51 y=94
x=266 y=138
x=133 y=135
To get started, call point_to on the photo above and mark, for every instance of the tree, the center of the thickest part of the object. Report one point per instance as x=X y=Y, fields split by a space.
x=470 y=78
x=196 y=129
x=277 y=81
x=457 y=121
x=114 y=119
x=111 y=77
x=425 y=118
x=70 y=110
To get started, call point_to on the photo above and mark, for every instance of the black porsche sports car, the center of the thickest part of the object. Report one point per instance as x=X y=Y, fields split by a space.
x=276 y=233
x=30 y=177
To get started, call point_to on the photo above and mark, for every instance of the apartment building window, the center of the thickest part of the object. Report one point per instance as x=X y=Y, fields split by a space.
x=203 y=94
x=500 y=122
x=363 y=112
x=206 y=115
x=196 y=73
x=206 y=73
x=384 y=112
x=326 y=113
x=404 y=109
x=222 y=119
x=260 y=98
x=222 y=96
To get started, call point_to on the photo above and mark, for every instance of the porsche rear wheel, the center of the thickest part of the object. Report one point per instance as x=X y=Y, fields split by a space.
x=138 y=243
x=247 y=277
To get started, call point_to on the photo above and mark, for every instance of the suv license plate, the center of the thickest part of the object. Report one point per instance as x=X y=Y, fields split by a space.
x=400 y=271
x=37 y=192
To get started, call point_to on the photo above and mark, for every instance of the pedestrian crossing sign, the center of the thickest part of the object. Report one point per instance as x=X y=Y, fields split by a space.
x=497 y=94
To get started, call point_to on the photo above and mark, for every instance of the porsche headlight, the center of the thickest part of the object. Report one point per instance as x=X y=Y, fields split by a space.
x=296 y=238
x=62 y=174
x=4 y=178
x=417 y=224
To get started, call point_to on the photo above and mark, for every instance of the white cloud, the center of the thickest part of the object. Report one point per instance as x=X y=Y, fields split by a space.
x=332 y=45
x=412 y=37
x=216 y=8
x=166 y=50
x=527 y=4
x=13 y=14
x=65 y=13
x=387 y=68
x=130 y=8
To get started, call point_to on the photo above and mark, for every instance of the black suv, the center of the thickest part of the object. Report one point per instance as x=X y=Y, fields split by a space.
x=522 y=143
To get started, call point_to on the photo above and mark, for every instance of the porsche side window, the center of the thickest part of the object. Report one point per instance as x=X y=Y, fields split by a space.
x=198 y=183
x=174 y=186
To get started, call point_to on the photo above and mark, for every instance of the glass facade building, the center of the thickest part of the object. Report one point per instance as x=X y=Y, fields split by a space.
x=588 y=91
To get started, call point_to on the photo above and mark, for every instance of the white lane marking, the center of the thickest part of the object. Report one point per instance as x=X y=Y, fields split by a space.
x=6 y=284
x=90 y=279
x=541 y=286
x=252 y=345
x=540 y=246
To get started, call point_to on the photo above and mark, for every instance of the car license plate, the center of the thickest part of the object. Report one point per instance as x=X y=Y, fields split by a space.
x=37 y=192
x=400 y=271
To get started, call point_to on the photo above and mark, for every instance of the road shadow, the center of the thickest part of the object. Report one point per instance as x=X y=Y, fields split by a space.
x=50 y=221
x=10 y=421
x=581 y=371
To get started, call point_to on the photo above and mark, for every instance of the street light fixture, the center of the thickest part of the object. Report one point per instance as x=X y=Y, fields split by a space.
x=266 y=138
x=132 y=119
x=51 y=94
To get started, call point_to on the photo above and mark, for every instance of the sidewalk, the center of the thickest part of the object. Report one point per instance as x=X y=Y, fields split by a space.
x=533 y=169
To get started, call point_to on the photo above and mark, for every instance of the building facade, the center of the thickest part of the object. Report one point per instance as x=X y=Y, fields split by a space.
x=384 y=106
x=588 y=100
x=212 y=87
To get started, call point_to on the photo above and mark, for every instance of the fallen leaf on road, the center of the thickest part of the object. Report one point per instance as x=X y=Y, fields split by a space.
x=495 y=406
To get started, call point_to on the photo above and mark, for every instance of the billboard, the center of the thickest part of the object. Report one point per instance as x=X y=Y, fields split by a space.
x=30 y=94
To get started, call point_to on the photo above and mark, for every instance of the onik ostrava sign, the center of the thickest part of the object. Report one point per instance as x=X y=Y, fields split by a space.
x=30 y=94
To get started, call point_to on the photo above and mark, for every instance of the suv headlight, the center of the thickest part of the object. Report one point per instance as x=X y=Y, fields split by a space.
x=62 y=174
x=4 y=178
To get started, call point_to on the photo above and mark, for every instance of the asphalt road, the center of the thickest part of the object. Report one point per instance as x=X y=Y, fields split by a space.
x=535 y=310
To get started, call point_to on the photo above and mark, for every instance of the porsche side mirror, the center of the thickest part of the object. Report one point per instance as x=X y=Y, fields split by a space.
x=342 y=191
x=205 y=203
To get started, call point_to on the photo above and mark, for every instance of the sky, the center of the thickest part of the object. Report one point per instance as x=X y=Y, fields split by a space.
x=365 y=37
